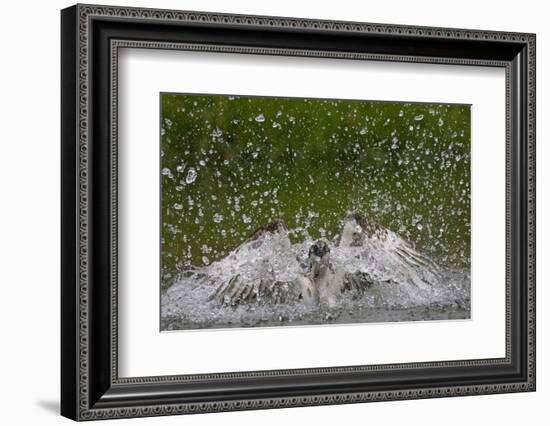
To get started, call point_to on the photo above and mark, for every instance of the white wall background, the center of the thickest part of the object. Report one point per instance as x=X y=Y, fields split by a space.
x=29 y=216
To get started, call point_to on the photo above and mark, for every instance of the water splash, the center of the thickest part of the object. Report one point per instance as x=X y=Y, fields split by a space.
x=191 y=176
x=400 y=287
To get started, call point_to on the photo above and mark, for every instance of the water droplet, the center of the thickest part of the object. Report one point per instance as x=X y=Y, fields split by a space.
x=180 y=168
x=363 y=131
x=416 y=219
x=205 y=260
x=401 y=113
x=247 y=219
x=419 y=117
x=419 y=226
x=216 y=133
x=202 y=163
x=178 y=206
x=218 y=218
x=166 y=171
x=440 y=122
x=191 y=176
x=260 y=118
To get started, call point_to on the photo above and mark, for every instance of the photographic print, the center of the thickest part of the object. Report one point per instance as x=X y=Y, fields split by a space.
x=279 y=211
x=344 y=189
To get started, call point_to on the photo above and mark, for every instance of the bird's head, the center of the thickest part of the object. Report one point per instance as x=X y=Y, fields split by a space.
x=319 y=250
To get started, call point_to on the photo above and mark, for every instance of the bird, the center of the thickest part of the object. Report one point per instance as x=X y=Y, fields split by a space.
x=366 y=253
x=323 y=281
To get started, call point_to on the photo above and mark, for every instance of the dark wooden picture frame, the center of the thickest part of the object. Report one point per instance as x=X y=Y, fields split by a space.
x=90 y=385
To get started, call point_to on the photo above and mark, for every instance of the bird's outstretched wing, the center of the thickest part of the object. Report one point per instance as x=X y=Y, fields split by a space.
x=256 y=278
x=388 y=253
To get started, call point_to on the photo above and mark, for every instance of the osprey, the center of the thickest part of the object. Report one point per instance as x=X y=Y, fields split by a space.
x=323 y=281
x=365 y=252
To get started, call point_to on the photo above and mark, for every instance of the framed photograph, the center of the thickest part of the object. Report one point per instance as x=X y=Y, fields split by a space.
x=263 y=212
